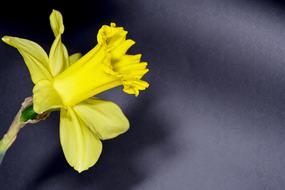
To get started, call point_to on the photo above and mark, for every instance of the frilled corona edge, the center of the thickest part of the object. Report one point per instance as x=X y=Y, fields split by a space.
x=127 y=68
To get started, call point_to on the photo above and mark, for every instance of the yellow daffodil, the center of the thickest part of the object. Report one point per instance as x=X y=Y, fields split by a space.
x=69 y=84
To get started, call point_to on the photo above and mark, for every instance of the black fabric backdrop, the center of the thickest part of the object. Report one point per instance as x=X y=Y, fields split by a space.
x=213 y=118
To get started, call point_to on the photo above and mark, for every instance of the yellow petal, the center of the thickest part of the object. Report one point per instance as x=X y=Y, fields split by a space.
x=45 y=97
x=58 y=57
x=56 y=23
x=74 y=57
x=34 y=56
x=80 y=145
x=105 y=118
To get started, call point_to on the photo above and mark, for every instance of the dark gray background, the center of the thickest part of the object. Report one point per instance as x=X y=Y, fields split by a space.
x=213 y=118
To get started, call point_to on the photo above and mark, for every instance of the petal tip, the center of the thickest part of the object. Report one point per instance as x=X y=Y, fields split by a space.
x=6 y=39
x=56 y=22
x=54 y=11
x=79 y=170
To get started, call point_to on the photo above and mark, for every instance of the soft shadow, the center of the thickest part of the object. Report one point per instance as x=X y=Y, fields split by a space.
x=118 y=166
x=220 y=65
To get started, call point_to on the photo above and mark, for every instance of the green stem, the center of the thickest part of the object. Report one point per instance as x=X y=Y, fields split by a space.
x=10 y=135
x=28 y=114
x=24 y=116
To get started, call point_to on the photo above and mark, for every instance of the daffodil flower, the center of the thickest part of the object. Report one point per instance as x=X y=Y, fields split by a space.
x=69 y=84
